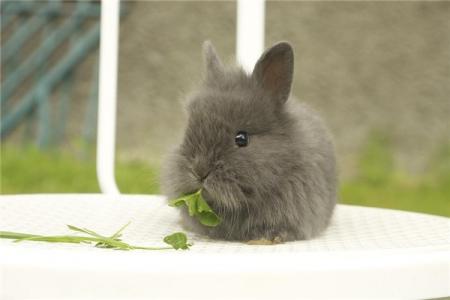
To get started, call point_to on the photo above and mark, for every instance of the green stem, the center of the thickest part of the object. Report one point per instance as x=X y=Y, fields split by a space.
x=15 y=235
x=19 y=237
x=151 y=248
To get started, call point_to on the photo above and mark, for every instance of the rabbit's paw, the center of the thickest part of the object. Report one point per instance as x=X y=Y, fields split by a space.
x=263 y=241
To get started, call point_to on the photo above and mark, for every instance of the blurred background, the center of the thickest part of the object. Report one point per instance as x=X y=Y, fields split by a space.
x=378 y=73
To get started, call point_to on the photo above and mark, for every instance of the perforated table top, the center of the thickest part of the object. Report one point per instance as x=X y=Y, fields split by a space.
x=359 y=241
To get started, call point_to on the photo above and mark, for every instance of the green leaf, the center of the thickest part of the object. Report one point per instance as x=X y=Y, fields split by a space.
x=198 y=208
x=177 y=202
x=192 y=205
x=209 y=219
x=177 y=240
x=206 y=216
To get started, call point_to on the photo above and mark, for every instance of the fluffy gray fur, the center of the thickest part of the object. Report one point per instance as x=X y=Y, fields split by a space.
x=282 y=185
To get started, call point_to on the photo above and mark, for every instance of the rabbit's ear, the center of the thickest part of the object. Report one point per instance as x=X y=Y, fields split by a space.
x=212 y=61
x=274 y=71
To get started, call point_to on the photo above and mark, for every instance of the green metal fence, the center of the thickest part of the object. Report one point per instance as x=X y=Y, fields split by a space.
x=43 y=44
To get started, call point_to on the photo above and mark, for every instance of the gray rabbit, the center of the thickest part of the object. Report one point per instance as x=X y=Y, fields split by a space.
x=265 y=165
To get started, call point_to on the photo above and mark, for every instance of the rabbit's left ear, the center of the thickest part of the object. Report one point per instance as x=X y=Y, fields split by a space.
x=274 y=71
x=213 y=64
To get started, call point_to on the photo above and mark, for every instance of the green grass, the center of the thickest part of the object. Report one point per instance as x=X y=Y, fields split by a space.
x=378 y=183
x=32 y=171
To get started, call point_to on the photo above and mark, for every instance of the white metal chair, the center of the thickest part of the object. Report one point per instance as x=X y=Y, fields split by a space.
x=365 y=253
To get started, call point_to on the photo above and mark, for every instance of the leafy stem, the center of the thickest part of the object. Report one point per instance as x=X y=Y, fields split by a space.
x=176 y=241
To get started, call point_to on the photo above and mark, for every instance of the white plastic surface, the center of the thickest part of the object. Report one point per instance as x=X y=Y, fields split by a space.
x=366 y=253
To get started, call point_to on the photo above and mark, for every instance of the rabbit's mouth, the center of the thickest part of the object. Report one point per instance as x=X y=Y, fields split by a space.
x=222 y=196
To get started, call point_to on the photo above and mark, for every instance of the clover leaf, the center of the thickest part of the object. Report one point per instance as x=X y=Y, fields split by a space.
x=198 y=208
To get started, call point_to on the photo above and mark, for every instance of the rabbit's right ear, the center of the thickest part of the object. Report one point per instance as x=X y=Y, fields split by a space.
x=274 y=71
x=213 y=64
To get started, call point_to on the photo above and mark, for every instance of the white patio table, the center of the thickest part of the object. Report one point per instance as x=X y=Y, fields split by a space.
x=365 y=253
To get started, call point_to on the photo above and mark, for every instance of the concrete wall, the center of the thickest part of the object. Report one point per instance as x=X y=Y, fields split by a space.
x=365 y=66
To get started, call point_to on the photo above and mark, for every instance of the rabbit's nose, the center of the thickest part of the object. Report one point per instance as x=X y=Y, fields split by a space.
x=201 y=170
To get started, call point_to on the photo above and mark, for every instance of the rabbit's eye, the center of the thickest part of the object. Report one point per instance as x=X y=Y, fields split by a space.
x=241 y=139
